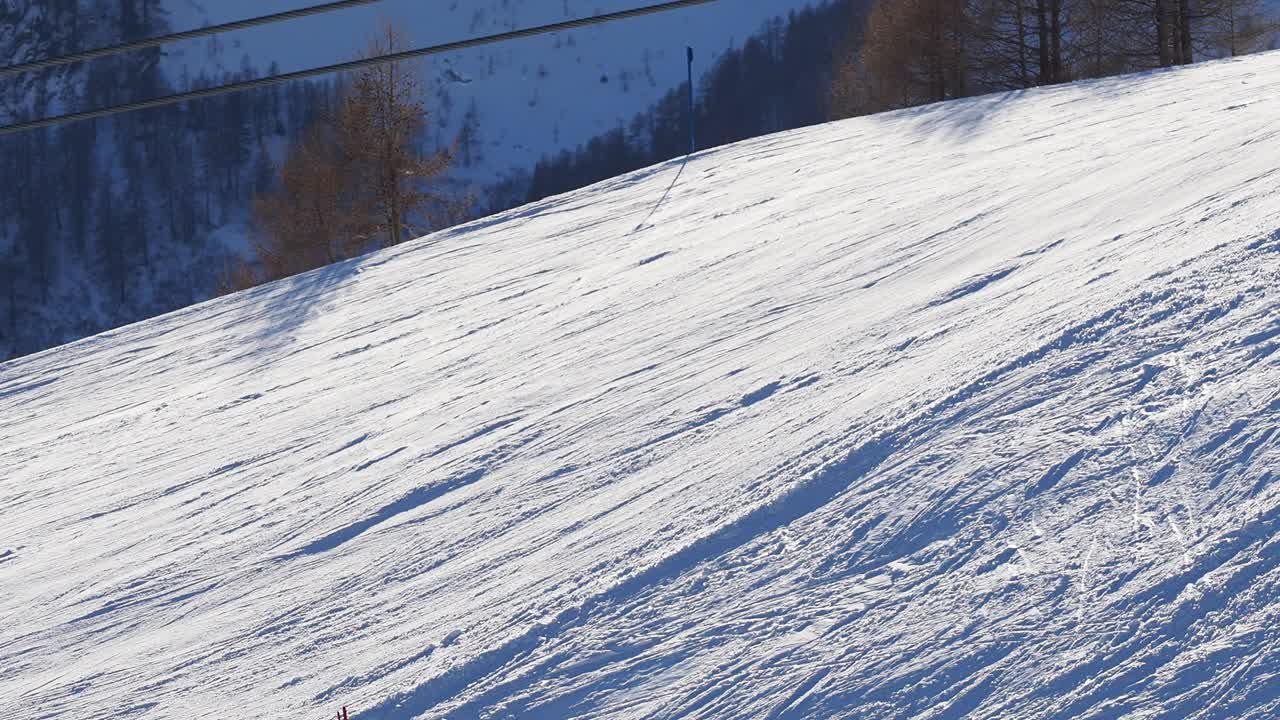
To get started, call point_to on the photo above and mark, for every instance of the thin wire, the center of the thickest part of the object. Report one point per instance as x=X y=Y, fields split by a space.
x=178 y=37
x=348 y=66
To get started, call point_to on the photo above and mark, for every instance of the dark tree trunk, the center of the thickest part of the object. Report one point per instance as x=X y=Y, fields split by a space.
x=960 y=50
x=1045 y=75
x=1055 y=50
x=1022 y=44
x=1162 y=32
x=1184 y=28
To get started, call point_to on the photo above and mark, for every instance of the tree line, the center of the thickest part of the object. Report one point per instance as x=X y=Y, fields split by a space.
x=112 y=220
x=911 y=52
x=109 y=221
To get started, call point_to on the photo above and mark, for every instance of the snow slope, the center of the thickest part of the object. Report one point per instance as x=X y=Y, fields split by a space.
x=964 y=411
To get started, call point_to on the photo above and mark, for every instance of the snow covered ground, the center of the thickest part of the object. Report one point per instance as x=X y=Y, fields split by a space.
x=964 y=411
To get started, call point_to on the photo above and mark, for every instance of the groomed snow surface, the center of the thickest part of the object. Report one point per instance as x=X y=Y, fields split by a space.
x=964 y=411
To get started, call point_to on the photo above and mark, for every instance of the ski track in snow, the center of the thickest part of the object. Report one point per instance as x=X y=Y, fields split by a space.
x=962 y=411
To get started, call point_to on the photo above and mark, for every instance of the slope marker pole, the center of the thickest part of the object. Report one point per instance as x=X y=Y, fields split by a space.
x=693 y=118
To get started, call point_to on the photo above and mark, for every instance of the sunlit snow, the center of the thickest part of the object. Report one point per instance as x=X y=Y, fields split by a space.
x=964 y=411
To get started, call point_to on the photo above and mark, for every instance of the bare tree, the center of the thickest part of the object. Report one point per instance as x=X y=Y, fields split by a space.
x=915 y=52
x=357 y=177
x=381 y=123
x=1236 y=27
x=1097 y=46
x=317 y=214
x=1003 y=50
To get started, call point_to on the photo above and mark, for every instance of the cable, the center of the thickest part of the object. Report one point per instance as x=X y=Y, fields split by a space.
x=348 y=66
x=178 y=37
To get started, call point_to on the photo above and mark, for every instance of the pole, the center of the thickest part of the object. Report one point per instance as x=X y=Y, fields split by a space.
x=693 y=118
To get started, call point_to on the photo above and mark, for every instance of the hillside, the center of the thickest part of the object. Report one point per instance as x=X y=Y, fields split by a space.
x=525 y=99
x=79 y=255
x=963 y=411
x=108 y=222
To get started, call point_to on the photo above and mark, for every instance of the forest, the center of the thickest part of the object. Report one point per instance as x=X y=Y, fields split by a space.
x=115 y=220
x=912 y=52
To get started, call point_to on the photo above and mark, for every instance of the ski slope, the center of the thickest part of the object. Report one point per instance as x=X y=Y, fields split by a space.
x=964 y=411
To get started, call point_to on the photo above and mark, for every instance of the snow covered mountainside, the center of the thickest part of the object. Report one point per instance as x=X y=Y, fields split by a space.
x=525 y=99
x=80 y=255
x=963 y=411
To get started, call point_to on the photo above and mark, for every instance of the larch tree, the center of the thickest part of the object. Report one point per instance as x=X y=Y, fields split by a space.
x=913 y=52
x=317 y=214
x=381 y=123
x=358 y=178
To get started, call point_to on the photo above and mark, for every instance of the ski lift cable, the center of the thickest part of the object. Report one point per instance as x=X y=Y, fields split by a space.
x=349 y=66
x=178 y=37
